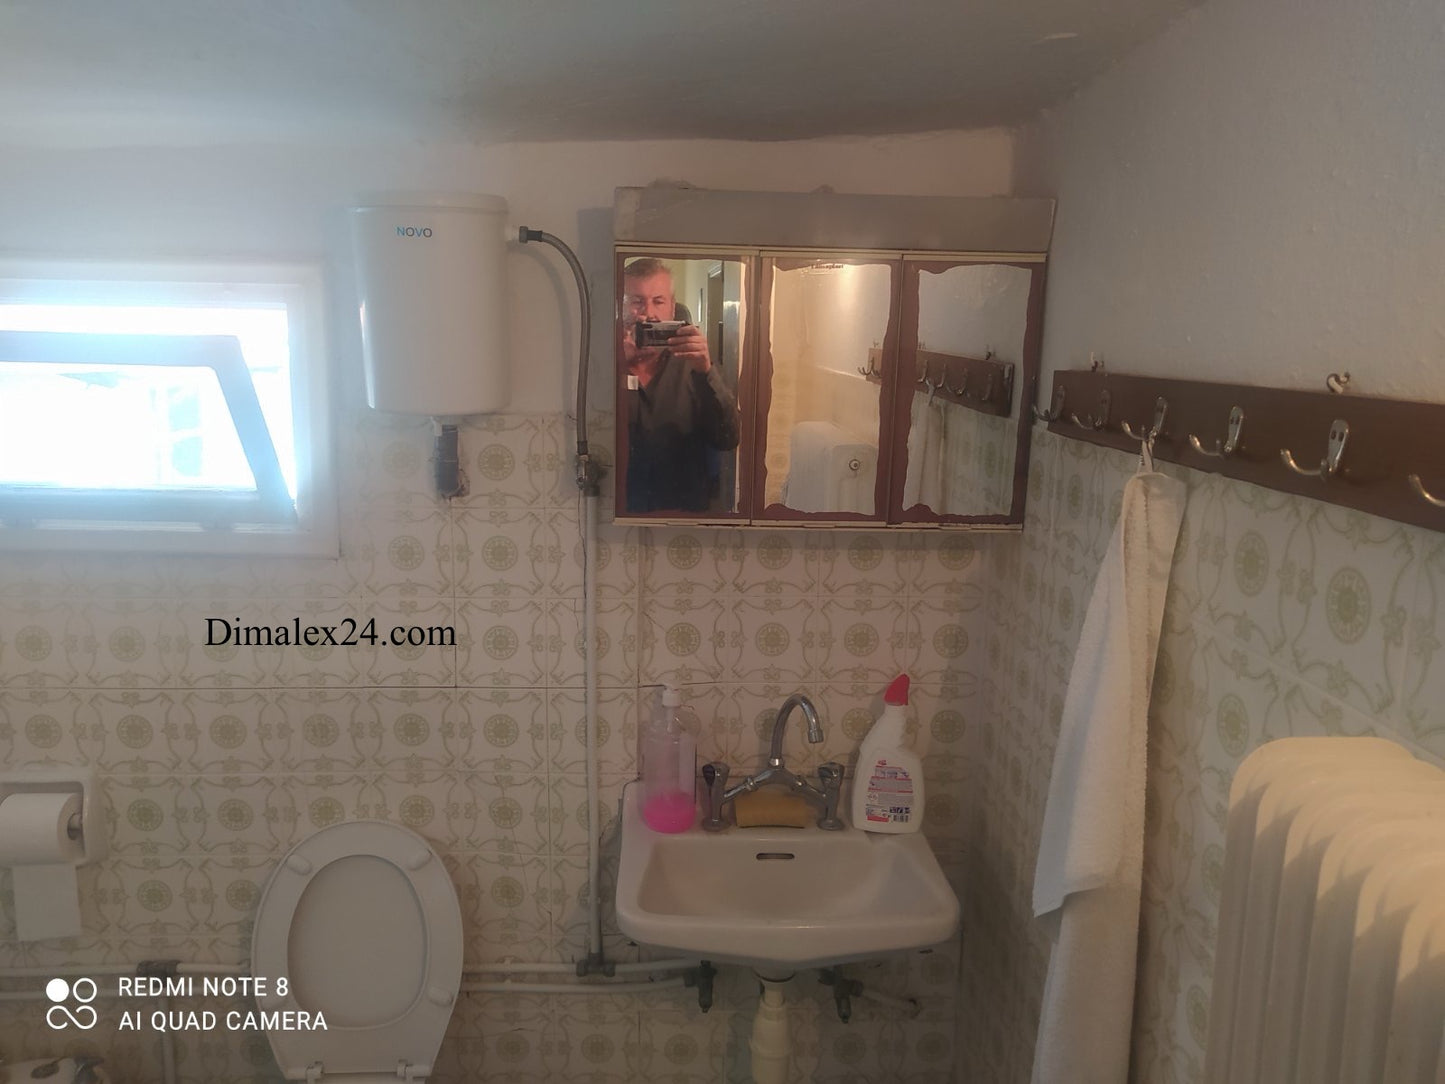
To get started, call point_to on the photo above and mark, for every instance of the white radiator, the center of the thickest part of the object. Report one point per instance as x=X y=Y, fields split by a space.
x=1330 y=959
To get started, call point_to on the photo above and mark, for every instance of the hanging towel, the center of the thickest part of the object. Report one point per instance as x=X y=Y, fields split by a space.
x=1087 y=881
x=924 y=482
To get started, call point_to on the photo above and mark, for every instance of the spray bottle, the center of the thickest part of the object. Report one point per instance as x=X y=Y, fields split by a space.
x=888 y=785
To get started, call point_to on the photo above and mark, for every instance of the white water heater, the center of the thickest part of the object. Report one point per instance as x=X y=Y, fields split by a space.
x=432 y=299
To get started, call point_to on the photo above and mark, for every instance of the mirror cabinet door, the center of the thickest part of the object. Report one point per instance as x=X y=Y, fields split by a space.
x=967 y=344
x=827 y=335
x=682 y=441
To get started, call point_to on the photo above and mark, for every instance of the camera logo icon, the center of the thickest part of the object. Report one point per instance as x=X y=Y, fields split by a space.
x=60 y=1016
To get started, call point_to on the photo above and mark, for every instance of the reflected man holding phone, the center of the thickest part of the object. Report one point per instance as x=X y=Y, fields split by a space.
x=681 y=411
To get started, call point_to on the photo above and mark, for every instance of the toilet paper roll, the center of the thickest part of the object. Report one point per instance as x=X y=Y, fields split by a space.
x=34 y=841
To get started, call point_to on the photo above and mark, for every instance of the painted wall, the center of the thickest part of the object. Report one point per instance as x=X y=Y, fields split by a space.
x=1255 y=196
x=216 y=761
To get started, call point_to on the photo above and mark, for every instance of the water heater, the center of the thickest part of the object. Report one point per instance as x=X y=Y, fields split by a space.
x=429 y=270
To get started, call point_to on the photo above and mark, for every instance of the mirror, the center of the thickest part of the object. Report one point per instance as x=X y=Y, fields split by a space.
x=881 y=352
x=776 y=387
x=963 y=420
x=680 y=330
x=821 y=384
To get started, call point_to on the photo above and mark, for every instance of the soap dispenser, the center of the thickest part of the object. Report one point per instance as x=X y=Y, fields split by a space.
x=888 y=785
x=669 y=765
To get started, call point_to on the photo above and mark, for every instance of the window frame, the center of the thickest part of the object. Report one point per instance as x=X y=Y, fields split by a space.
x=312 y=531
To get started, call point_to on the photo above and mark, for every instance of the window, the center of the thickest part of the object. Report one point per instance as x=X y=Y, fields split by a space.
x=164 y=408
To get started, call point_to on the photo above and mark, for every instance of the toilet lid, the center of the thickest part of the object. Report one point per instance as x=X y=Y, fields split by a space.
x=361 y=920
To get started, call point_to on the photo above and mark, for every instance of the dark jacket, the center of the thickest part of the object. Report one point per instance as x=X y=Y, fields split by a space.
x=675 y=427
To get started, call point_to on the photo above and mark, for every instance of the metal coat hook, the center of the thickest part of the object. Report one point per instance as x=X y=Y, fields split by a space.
x=869 y=370
x=1419 y=487
x=1161 y=410
x=987 y=391
x=1230 y=444
x=1105 y=401
x=1330 y=465
x=962 y=390
x=1054 y=412
x=932 y=387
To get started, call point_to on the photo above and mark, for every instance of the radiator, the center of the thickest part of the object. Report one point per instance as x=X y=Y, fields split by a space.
x=1330 y=958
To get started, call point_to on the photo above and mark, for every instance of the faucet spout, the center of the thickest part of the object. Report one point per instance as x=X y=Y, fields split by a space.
x=780 y=724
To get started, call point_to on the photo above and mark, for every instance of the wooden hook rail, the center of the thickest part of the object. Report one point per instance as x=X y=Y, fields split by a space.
x=1381 y=456
x=980 y=384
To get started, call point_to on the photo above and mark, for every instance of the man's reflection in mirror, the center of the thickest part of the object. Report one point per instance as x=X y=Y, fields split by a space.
x=681 y=412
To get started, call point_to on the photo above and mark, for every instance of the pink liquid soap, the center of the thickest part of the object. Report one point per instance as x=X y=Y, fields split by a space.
x=670 y=812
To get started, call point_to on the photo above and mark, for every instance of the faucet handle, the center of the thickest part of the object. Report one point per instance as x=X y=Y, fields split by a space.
x=715 y=783
x=831 y=776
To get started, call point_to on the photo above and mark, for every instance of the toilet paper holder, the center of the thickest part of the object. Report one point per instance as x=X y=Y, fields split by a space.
x=86 y=827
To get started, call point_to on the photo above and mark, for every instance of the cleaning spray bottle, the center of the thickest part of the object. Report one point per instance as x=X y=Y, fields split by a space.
x=888 y=786
x=669 y=765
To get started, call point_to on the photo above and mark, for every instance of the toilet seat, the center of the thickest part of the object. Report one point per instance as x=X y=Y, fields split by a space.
x=362 y=920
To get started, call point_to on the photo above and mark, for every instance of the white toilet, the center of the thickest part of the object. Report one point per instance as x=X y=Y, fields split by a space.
x=362 y=921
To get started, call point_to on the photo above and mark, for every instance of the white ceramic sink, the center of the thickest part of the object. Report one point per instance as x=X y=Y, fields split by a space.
x=799 y=897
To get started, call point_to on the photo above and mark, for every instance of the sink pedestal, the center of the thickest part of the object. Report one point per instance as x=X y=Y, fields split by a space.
x=769 y=1043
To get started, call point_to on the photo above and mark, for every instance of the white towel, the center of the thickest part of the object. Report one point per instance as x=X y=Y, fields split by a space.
x=923 y=482
x=1087 y=881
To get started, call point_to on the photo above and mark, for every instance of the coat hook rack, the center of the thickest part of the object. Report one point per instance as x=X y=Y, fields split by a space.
x=984 y=385
x=1391 y=443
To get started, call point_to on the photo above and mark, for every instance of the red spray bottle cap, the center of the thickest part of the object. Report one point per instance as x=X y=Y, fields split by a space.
x=897 y=692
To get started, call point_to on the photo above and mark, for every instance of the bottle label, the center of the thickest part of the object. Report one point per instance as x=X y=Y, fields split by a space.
x=890 y=795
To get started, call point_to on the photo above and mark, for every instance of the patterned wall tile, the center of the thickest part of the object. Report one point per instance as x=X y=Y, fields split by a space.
x=415 y=729
x=618 y=641
x=514 y=460
x=507 y=552
x=774 y=563
x=689 y=640
x=590 y=1038
x=1423 y=684
x=503 y=643
x=777 y=635
x=678 y=1047
x=619 y=554
x=507 y=903
x=398 y=552
x=620 y=712
x=868 y=564
x=45 y=726
x=687 y=563
x=862 y=640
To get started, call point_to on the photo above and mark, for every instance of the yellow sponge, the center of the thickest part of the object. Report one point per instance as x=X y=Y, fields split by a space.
x=772 y=809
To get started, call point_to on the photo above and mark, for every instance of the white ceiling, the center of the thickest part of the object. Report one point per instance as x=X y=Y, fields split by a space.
x=497 y=70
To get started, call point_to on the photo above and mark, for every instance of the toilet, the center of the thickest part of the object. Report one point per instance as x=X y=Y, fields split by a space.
x=361 y=920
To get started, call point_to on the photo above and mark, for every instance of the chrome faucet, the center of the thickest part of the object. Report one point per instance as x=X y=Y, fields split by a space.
x=717 y=794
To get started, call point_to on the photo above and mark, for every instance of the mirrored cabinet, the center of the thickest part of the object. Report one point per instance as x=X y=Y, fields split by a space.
x=813 y=384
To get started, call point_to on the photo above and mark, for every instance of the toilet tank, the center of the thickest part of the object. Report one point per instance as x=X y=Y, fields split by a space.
x=432 y=302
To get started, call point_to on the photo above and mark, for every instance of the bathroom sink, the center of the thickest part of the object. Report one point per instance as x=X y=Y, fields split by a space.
x=796 y=897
